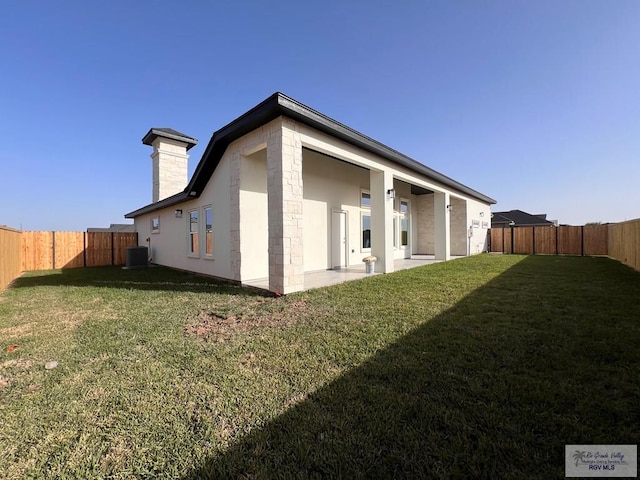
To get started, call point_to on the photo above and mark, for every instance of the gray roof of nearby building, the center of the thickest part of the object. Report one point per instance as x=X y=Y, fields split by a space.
x=519 y=218
x=169 y=133
x=115 y=227
x=277 y=105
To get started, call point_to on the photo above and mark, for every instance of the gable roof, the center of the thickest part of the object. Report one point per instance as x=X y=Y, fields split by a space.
x=278 y=105
x=519 y=218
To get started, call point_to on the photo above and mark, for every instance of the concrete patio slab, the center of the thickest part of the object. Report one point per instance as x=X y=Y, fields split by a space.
x=324 y=278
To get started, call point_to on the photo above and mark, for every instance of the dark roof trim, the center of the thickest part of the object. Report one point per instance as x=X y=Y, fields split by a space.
x=171 y=134
x=278 y=105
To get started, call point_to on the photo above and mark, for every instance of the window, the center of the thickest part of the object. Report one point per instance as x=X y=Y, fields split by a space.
x=365 y=199
x=208 y=231
x=155 y=225
x=366 y=231
x=365 y=220
x=475 y=223
x=485 y=224
x=395 y=231
x=405 y=231
x=404 y=223
x=194 y=247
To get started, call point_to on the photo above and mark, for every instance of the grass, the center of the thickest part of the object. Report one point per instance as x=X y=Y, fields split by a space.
x=478 y=368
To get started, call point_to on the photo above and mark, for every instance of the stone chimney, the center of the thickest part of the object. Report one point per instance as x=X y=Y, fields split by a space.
x=170 y=160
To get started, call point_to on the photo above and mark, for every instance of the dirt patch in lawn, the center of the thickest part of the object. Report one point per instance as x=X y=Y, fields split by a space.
x=20 y=363
x=269 y=313
x=17 y=331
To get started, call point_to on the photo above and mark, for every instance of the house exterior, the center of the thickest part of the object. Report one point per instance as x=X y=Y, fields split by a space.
x=283 y=190
x=518 y=218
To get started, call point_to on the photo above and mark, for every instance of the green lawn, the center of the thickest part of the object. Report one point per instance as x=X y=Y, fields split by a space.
x=482 y=367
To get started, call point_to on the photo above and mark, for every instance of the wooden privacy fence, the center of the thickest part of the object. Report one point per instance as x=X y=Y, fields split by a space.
x=52 y=250
x=624 y=242
x=564 y=240
x=10 y=255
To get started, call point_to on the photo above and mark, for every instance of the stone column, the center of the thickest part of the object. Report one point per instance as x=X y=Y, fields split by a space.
x=442 y=225
x=381 y=220
x=284 y=194
x=234 y=213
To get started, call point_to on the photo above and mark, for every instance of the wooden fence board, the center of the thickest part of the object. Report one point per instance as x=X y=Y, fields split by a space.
x=596 y=239
x=37 y=251
x=69 y=247
x=523 y=240
x=545 y=243
x=563 y=240
x=569 y=240
x=10 y=255
x=99 y=249
x=624 y=242
x=496 y=240
x=507 y=239
x=121 y=242
x=48 y=250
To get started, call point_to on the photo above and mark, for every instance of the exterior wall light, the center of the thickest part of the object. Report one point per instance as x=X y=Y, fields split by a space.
x=449 y=208
x=482 y=214
x=391 y=193
x=178 y=213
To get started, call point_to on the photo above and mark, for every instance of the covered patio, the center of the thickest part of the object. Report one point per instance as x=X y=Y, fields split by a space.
x=325 y=278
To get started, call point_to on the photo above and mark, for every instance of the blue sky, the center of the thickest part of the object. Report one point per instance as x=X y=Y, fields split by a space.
x=536 y=104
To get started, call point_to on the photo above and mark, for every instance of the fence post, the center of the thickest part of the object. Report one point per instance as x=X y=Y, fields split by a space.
x=53 y=250
x=512 y=242
x=112 y=249
x=503 y=240
x=84 y=249
x=557 y=250
x=582 y=240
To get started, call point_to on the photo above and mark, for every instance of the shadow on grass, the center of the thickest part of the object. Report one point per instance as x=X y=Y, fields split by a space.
x=542 y=356
x=151 y=279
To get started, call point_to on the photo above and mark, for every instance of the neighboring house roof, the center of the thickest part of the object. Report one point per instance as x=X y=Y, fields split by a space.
x=115 y=227
x=518 y=218
x=277 y=105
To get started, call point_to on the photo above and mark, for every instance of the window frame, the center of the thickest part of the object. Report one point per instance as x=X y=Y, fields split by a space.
x=365 y=213
x=404 y=216
x=208 y=231
x=190 y=233
x=364 y=191
x=155 y=229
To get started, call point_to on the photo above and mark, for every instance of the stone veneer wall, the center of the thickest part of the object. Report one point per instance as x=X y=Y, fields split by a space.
x=425 y=224
x=458 y=226
x=285 y=199
x=235 y=255
x=170 y=163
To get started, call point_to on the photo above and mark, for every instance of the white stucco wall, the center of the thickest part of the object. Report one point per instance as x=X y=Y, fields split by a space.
x=169 y=246
x=254 y=216
x=458 y=226
x=328 y=185
x=482 y=213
